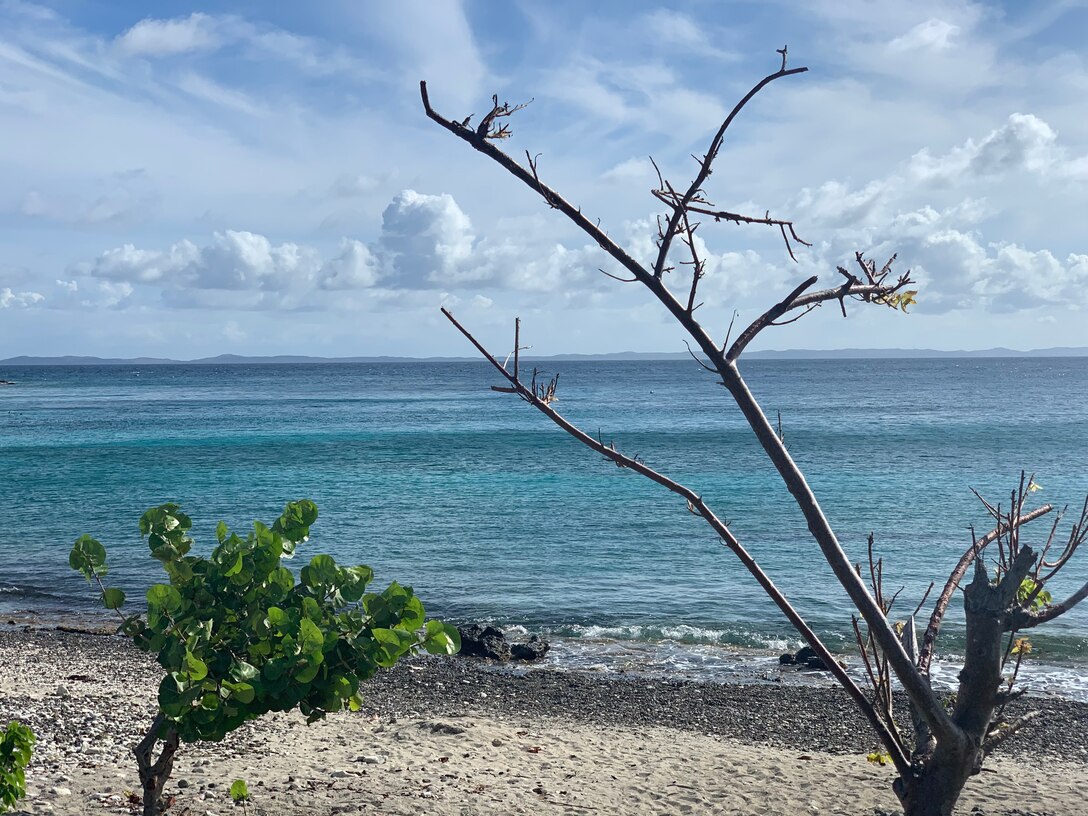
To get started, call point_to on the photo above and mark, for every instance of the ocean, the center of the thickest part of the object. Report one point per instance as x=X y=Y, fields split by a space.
x=493 y=514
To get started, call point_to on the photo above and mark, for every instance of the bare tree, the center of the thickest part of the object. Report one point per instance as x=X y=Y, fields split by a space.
x=948 y=745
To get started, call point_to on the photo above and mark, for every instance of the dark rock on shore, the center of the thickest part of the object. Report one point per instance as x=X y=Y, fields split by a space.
x=483 y=641
x=533 y=649
x=490 y=642
x=805 y=658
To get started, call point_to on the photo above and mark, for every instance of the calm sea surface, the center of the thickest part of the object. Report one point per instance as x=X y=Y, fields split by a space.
x=493 y=514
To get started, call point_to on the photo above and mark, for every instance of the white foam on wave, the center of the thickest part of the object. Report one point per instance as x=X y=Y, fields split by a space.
x=680 y=634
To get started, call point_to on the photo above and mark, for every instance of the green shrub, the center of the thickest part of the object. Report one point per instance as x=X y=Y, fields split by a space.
x=238 y=635
x=16 y=744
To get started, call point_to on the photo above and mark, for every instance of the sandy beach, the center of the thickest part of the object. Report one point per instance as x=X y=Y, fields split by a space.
x=453 y=737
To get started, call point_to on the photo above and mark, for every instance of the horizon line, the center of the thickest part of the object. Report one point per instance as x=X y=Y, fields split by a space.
x=841 y=353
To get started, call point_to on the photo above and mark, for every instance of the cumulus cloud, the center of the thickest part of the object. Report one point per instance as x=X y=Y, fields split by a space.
x=144 y=266
x=1024 y=142
x=426 y=240
x=354 y=268
x=234 y=260
x=10 y=299
x=935 y=213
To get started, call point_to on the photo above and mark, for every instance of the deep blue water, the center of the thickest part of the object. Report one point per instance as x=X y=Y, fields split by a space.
x=490 y=512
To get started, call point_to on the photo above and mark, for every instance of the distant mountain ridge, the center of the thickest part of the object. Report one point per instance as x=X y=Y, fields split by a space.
x=787 y=354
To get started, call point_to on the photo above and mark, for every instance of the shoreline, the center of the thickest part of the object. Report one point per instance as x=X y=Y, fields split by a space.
x=606 y=744
x=670 y=659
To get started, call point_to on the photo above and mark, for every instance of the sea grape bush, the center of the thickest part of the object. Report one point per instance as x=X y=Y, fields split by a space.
x=238 y=635
x=16 y=746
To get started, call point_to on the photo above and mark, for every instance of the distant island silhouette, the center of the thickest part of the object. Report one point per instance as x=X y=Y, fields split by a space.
x=787 y=354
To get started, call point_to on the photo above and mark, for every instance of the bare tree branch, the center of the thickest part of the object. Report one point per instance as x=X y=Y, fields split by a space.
x=929 y=639
x=1024 y=619
x=699 y=507
x=705 y=166
x=767 y=318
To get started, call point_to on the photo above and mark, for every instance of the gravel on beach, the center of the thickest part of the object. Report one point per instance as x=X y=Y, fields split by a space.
x=807 y=718
x=89 y=697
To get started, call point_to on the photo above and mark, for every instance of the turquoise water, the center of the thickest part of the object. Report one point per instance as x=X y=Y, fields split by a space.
x=491 y=513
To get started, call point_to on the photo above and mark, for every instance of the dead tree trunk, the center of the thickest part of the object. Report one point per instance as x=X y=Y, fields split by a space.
x=949 y=746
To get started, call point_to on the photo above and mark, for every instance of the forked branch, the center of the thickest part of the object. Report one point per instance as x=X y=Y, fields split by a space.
x=929 y=639
x=696 y=504
x=680 y=205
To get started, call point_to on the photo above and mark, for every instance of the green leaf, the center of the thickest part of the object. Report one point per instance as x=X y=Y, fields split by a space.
x=88 y=557
x=234 y=568
x=195 y=668
x=164 y=598
x=241 y=670
x=308 y=671
x=242 y=692
x=311 y=640
x=311 y=609
x=113 y=598
x=321 y=572
x=239 y=791
x=441 y=638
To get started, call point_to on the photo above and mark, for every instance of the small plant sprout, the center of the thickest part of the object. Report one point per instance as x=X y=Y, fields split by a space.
x=239 y=793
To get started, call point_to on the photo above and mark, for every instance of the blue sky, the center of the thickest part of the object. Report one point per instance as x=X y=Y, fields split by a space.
x=258 y=178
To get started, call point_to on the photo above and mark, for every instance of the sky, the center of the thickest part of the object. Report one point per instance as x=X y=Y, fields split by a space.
x=259 y=178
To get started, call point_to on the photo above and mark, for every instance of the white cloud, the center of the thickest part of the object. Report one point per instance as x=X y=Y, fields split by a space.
x=1024 y=142
x=10 y=299
x=160 y=38
x=120 y=197
x=936 y=211
x=349 y=185
x=244 y=260
x=679 y=32
x=354 y=268
x=633 y=169
x=110 y=295
x=648 y=95
x=426 y=240
x=234 y=260
x=933 y=34
x=127 y=263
